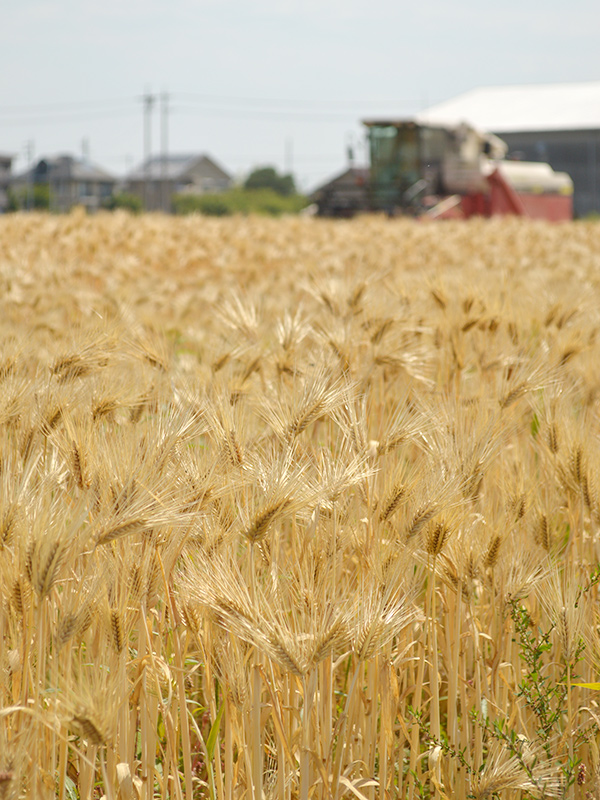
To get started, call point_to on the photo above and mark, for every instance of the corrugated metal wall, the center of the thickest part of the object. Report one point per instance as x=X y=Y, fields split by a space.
x=575 y=152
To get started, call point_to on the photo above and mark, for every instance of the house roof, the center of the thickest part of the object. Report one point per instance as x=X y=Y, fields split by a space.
x=80 y=170
x=172 y=167
x=536 y=107
x=349 y=177
x=65 y=167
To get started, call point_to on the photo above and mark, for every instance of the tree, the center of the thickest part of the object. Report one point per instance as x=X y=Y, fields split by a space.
x=239 y=201
x=35 y=196
x=126 y=200
x=269 y=178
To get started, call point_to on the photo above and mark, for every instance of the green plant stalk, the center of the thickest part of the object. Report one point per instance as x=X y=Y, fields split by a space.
x=219 y=779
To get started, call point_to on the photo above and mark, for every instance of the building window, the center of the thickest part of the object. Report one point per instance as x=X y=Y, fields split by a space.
x=541 y=151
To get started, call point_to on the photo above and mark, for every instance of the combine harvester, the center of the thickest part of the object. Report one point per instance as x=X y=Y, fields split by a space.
x=455 y=172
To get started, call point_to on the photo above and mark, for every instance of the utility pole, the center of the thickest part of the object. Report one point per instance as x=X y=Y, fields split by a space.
x=164 y=151
x=350 y=151
x=29 y=148
x=148 y=100
x=289 y=156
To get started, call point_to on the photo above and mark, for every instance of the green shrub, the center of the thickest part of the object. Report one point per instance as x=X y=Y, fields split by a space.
x=126 y=200
x=211 y=205
x=29 y=197
x=239 y=201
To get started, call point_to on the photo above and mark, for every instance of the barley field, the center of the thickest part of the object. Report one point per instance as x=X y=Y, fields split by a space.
x=299 y=509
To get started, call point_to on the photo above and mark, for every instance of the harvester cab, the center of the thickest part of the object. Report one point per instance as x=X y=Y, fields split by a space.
x=444 y=171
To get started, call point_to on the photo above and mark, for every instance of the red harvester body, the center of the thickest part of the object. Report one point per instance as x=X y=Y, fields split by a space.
x=442 y=172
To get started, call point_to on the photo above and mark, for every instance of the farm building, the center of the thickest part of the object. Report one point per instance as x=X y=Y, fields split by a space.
x=344 y=195
x=556 y=123
x=71 y=182
x=157 y=179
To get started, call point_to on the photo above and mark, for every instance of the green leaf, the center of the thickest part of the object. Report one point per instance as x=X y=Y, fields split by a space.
x=214 y=732
x=71 y=789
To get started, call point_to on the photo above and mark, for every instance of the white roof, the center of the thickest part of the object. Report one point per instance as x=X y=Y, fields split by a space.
x=504 y=109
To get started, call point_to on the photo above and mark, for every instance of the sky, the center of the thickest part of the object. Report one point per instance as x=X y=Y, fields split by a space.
x=263 y=82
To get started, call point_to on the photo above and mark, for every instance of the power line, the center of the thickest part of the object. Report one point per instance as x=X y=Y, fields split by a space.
x=287 y=102
x=277 y=156
x=58 y=106
x=302 y=116
x=72 y=117
x=292 y=106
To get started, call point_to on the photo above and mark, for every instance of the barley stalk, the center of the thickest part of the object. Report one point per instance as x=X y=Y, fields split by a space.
x=313 y=505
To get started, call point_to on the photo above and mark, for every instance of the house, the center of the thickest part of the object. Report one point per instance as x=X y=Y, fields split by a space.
x=71 y=182
x=5 y=176
x=344 y=195
x=157 y=179
x=555 y=123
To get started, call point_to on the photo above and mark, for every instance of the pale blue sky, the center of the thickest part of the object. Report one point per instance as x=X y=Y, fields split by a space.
x=245 y=78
